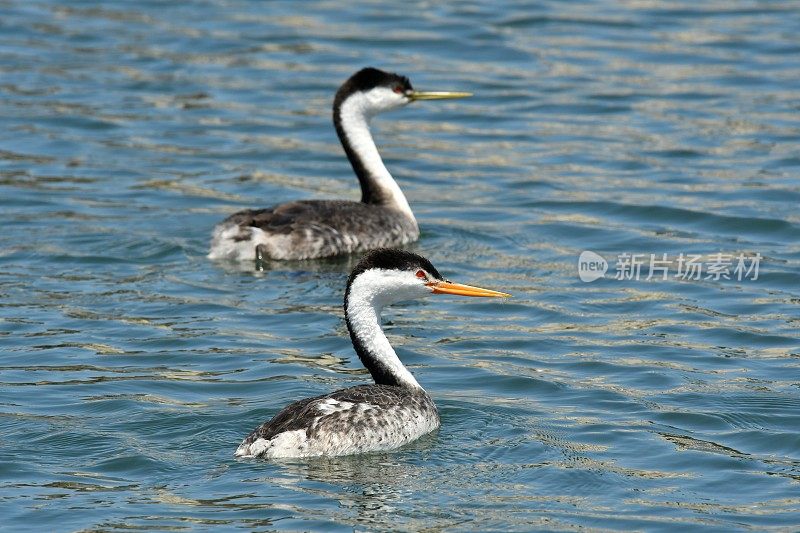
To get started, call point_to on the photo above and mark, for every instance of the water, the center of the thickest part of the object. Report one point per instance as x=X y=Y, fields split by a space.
x=132 y=366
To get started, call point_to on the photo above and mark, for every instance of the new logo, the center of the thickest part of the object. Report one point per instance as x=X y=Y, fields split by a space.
x=591 y=266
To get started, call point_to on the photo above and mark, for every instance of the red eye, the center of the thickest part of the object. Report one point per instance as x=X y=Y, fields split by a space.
x=421 y=274
x=398 y=90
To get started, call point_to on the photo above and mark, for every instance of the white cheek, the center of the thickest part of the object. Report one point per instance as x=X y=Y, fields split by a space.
x=402 y=288
x=384 y=287
x=383 y=99
x=425 y=290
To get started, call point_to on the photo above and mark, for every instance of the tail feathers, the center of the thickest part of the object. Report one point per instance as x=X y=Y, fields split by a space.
x=255 y=448
x=293 y=443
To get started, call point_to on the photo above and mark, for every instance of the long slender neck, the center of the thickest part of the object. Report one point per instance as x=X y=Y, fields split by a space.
x=362 y=314
x=351 y=118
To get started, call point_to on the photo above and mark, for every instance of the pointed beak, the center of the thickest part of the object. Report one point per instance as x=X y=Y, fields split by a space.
x=447 y=287
x=435 y=95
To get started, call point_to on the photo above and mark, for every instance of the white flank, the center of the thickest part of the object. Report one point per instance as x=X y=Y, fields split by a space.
x=330 y=405
x=224 y=245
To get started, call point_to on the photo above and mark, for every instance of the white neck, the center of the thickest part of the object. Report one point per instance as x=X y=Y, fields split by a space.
x=354 y=116
x=364 y=303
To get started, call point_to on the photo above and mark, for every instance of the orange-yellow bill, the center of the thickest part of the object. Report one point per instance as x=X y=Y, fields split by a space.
x=446 y=287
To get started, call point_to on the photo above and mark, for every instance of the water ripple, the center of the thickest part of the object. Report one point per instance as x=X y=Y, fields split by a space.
x=641 y=127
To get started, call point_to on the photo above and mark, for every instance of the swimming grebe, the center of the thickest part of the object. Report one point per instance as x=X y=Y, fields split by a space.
x=396 y=409
x=310 y=229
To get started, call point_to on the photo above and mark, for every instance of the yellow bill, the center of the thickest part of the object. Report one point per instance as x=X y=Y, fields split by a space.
x=436 y=95
x=447 y=287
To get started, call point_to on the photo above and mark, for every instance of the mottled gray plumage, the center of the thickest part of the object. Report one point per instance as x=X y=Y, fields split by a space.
x=322 y=228
x=355 y=420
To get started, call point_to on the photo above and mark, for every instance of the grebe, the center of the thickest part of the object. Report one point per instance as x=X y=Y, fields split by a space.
x=308 y=229
x=392 y=412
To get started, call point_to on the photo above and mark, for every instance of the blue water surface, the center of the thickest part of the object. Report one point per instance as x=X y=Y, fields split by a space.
x=131 y=366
